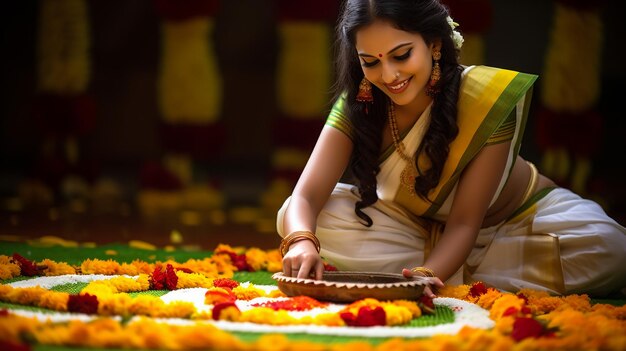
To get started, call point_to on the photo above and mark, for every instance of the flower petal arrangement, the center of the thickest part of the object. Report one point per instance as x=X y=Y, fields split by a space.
x=211 y=303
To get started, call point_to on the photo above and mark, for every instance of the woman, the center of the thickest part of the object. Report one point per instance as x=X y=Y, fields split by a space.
x=437 y=188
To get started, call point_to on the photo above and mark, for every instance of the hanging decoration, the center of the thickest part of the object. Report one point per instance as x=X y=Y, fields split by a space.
x=303 y=82
x=569 y=127
x=63 y=109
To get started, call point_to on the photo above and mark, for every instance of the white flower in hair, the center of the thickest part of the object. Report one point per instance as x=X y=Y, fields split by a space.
x=457 y=38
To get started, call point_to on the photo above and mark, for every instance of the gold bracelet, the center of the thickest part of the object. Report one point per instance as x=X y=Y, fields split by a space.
x=427 y=272
x=291 y=238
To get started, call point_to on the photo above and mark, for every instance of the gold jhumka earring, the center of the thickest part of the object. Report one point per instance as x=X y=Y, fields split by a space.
x=435 y=75
x=365 y=92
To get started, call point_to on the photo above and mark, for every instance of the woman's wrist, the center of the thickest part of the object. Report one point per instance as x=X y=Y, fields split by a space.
x=296 y=236
x=424 y=271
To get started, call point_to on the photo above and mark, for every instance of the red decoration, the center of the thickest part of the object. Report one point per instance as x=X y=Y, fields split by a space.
x=298 y=303
x=524 y=327
x=28 y=268
x=225 y=283
x=217 y=309
x=83 y=303
x=161 y=280
x=366 y=317
x=477 y=289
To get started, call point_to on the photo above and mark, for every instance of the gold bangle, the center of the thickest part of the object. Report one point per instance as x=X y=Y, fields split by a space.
x=427 y=272
x=297 y=236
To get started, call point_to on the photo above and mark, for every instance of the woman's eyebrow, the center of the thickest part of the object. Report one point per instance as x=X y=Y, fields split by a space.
x=362 y=54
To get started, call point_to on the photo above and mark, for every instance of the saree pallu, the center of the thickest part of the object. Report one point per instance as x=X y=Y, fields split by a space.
x=557 y=242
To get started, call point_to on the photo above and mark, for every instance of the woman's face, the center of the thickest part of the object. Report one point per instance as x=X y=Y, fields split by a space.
x=397 y=62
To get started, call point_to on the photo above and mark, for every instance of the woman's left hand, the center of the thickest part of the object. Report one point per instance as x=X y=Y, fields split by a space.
x=433 y=282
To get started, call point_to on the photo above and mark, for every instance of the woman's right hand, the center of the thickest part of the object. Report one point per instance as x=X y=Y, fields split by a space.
x=303 y=261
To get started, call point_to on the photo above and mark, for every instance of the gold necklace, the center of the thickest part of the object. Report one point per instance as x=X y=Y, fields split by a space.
x=408 y=175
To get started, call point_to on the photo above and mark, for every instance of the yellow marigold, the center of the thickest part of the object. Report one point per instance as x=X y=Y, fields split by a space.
x=97 y=266
x=576 y=302
x=481 y=339
x=502 y=304
x=26 y=296
x=265 y=315
x=248 y=293
x=353 y=346
x=54 y=300
x=192 y=280
x=458 y=292
x=57 y=268
x=545 y=304
x=125 y=284
x=114 y=305
x=141 y=267
x=202 y=336
x=8 y=268
x=396 y=315
x=487 y=299
x=270 y=342
x=274 y=267
x=145 y=305
x=5 y=290
x=531 y=293
x=175 y=309
x=614 y=312
x=13 y=327
x=329 y=319
x=144 y=282
x=275 y=293
x=256 y=259
x=99 y=287
x=412 y=306
x=229 y=313
x=504 y=325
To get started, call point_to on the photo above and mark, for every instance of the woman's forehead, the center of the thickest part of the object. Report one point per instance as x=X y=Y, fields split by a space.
x=382 y=36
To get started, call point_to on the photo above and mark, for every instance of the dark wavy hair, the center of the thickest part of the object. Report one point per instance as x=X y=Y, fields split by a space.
x=429 y=19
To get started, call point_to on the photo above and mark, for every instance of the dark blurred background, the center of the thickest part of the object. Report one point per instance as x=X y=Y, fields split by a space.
x=187 y=122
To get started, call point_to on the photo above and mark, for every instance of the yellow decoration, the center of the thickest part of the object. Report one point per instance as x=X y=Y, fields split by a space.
x=189 y=83
x=63 y=46
x=571 y=79
x=304 y=68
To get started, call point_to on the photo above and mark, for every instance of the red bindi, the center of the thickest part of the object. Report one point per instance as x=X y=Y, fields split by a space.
x=380 y=55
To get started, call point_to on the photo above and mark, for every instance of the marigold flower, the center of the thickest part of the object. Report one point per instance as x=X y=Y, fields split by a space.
x=83 y=303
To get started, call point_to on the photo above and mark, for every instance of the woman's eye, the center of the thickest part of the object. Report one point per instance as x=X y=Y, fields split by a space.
x=369 y=64
x=404 y=56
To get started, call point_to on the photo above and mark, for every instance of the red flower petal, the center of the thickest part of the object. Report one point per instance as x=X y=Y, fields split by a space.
x=225 y=283
x=366 y=317
x=83 y=303
x=217 y=309
x=171 y=279
x=526 y=327
x=27 y=267
x=477 y=289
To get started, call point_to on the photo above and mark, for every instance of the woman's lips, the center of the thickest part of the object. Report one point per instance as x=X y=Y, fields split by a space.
x=398 y=87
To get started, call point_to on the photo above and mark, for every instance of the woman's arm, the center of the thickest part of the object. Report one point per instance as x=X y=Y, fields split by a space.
x=476 y=188
x=323 y=170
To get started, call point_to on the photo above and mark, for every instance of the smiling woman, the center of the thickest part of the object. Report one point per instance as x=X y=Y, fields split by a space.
x=436 y=184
